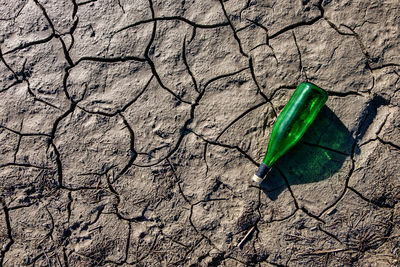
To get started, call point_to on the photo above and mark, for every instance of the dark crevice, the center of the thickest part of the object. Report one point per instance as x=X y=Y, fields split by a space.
x=121 y=6
x=244 y=27
x=36 y=258
x=59 y=119
x=205 y=157
x=248 y=2
x=105 y=172
x=17 y=149
x=239 y=117
x=189 y=251
x=288 y=87
x=51 y=143
x=375 y=103
x=133 y=154
x=193 y=35
x=369 y=141
x=31 y=93
x=86 y=2
x=46 y=16
x=372 y=201
x=388 y=143
x=295 y=25
x=324 y=147
x=187 y=65
x=140 y=218
x=71 y=33
x=237 y=148
x=288 y=186
x=171 y=152
x=178 y=181
x=381 y=126
x=329 y=234
x=286 y=217
x=50 y=234
x=29 y=44
x=65 y=87
x=195 y=228
x=387 y=65
x=18 y=142
x=362 y=47
x=35 y=202
x=69 y=206
x=346 y=184
x=175 y=241
x=154 y=71
x=172 y=18
x=183 y=131
x=182 y=194
x=233 y=29
x=26 y=165
x=99 y=210
x=65 y=257
x=124 y=108
x=306 y=211
x=301 y=66
x=151 y=63
x=262 y=27
x=26 y=45
x=9 y=68
x=226 y=128
x=66 y=52
x=128 y=241
x=11 y=85
x=109 y=60
x=75 y=8
x=72 y=30
x=222 y=76
x=79 y=188
x=337 y=29
x=59 y=164
x=258 y=209
x=18 y=13
x=266 y=40
x=253 y=76
x=11 y=241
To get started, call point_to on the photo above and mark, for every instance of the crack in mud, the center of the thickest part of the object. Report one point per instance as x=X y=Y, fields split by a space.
x=178 y=143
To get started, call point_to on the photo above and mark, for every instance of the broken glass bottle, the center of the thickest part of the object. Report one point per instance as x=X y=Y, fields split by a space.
x=291 y=124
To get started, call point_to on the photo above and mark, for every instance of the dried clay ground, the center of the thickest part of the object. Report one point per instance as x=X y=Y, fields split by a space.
x=129 y=131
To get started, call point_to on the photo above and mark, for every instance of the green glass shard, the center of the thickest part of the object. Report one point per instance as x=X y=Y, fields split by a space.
x=292 y=123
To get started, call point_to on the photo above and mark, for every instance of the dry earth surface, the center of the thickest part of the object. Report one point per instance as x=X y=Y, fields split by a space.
x=130 y=129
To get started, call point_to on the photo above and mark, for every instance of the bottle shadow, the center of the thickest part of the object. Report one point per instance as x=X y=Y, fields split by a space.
x=319 y=154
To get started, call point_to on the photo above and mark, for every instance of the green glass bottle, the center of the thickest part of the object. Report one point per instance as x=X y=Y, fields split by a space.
x=292 y=123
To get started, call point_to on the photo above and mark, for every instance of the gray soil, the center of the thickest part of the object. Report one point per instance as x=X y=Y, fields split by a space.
x=129 y=131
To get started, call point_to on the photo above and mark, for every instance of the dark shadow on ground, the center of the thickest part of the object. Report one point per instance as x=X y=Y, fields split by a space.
x=320 y=154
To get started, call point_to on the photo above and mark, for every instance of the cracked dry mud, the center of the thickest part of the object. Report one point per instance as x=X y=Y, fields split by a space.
x=130 y=129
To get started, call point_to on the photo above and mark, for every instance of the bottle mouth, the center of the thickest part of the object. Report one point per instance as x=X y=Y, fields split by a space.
x=262 y=171
x=257 y=179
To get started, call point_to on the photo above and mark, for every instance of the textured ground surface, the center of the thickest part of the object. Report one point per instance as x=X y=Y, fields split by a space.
x=129 y=131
